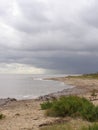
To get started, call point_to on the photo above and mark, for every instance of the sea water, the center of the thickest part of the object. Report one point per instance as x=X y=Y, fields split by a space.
x=28 y=86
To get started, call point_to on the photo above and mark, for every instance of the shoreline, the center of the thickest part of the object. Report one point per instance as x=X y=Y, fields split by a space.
x=77 y=89
x=81 y=87
x=28 y=115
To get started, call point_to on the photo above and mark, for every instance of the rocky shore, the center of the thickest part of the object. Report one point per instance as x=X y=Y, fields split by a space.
x=65 y=92
x=6 y=101
x=80 y=87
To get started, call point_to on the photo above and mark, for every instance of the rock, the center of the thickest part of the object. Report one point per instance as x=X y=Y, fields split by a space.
x=45 y=124
x=6 y=101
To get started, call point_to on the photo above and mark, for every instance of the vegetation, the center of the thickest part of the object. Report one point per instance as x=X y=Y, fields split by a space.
x=69 y=124
x=58 y=127
x=46 y=105
x=72 y=106
x=89 y=76
x=1 y=116
x=70 y=127
x=93 y=127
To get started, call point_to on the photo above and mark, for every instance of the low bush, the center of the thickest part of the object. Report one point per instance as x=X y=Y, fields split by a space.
x=46 y=105
x=73 y=106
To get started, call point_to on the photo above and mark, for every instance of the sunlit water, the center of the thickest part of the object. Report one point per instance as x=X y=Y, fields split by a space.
x=28 y=86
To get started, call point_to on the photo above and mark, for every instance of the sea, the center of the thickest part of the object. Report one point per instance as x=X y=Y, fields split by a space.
x=28 y=86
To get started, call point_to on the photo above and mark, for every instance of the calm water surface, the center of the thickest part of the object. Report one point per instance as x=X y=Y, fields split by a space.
x=28 y=86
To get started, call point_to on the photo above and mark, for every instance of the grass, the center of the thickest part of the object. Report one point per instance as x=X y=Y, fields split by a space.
x=93 y=127
x=68 y=125
x=71 y=127
x=72 y=106
x=58 y=127
x=87 y=76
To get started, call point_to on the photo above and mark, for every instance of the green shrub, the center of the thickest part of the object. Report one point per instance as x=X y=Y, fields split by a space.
x=46 y=105
x=71 y=106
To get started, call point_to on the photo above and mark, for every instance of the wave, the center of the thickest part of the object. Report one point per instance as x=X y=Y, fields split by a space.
x=37 y=78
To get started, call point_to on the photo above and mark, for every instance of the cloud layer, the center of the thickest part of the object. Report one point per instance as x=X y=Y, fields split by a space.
x=49 y=35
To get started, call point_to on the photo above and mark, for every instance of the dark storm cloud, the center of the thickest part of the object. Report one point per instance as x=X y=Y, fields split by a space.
x=58 y=36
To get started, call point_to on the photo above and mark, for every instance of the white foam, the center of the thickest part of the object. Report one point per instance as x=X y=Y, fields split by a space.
x=37 y=79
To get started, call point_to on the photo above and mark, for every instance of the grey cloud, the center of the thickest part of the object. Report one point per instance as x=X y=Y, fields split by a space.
x=32 y=10
x=91 y=14
x=31 y=17
x=58 y=36
x=58 y=61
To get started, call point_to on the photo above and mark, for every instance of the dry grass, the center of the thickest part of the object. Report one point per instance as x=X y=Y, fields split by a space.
x=71 y=125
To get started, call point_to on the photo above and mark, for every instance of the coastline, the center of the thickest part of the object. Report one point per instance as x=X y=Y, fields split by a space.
x=80 y=87
x=27 y=114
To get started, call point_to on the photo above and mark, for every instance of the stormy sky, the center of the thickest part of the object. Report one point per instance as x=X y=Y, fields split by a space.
x=49 y=36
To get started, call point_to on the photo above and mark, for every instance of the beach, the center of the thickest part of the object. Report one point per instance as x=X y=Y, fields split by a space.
x=27 y=114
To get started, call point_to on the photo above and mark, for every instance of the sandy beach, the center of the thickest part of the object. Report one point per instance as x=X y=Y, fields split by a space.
x=27 y=114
